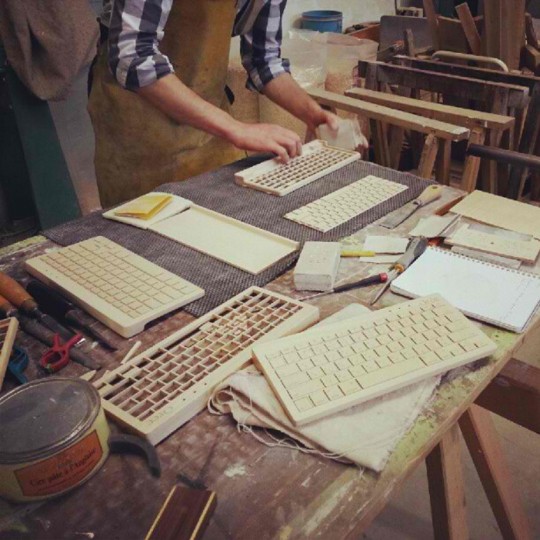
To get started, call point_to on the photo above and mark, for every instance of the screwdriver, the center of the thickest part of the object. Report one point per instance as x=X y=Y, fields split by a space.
x=15 y=293
x=54 y=304
x=376 y=278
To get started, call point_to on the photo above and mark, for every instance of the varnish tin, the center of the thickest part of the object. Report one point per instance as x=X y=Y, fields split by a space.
x=53 y=437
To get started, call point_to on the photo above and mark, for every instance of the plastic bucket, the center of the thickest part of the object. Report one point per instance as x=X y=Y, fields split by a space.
x=323 y=20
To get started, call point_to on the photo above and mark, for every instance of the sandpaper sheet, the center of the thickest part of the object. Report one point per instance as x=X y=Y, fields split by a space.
x=216 y=190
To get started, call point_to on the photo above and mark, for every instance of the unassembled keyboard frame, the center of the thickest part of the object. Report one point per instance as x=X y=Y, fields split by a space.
x=158 y=391
x=304 y=216
x=256 y=175
x=8 y=331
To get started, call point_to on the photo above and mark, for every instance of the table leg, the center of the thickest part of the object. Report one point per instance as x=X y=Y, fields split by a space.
x=443 y=163
x=446 y=490
x=483 y=443
x=429 y=154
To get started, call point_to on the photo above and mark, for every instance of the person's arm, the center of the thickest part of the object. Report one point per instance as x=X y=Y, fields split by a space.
x=139 y=66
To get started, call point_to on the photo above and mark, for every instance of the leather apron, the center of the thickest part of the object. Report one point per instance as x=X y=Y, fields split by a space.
x=137 y=146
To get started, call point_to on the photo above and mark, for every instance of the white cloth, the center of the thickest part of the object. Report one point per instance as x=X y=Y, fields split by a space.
x=365 y=434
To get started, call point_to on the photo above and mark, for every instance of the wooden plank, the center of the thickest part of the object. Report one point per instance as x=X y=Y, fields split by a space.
x=408 y=39
x=530 y=32
x=458 y=87
x=452 y=36
x=531 y=58
x=483 y=74
x=483 y=443
x=429 y=154
x=469 y=27
x=431 y=15
x=446 y=488
x=437 y=111
x=491 y=39
x=515 y=395
x=391 y=116
x=471 y=166
x=442 y=174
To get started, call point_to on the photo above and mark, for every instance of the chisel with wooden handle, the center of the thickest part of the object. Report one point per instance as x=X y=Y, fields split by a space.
x=430 y=194
x=16 y=295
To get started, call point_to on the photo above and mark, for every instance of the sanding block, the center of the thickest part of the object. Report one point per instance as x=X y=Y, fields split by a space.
x=317 y=267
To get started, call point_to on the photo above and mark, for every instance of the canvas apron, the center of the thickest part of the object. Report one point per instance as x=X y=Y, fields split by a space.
x=137 y=146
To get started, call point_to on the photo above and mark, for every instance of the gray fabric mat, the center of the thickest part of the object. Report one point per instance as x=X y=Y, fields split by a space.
x=216 y=190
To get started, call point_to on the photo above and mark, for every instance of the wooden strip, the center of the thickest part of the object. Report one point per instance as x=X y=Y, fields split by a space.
x=429 y=154
x=491 y=40
x=185 y=514
x=483 y=443
x=458 y=87
x=472 y=163
x=8 y=332
x=469 y=27
x=443 y=163
x=471 y=72
x=531 y=58
x=391 y=116
x=515 y=395
x=431 y=15
x=446 y=488
x=408 y=39
x=530 y=32
x=437 y=111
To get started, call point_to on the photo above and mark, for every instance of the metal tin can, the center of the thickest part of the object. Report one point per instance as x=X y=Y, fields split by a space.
x=53 y=437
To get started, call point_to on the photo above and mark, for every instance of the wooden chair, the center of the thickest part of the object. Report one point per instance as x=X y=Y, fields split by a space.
x=480 y=124
x=436 y=132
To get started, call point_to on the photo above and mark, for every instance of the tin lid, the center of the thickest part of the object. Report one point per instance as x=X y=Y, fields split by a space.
x=42 y=417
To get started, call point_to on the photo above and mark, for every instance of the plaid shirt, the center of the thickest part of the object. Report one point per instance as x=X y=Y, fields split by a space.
x=136 y=27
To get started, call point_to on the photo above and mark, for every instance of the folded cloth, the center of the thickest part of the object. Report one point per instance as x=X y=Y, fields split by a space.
x=365 y=434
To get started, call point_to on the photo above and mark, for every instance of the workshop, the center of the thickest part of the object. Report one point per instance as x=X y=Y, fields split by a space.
x=269 y=269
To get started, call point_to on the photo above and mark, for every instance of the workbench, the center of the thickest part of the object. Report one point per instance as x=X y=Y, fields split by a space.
x=276 y=492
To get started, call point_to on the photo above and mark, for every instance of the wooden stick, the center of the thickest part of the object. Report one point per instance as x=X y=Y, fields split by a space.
x=131 y=352
x=530 y=32
x=433 y=22
x=483 y=443
x=446 y=488
x=429 y=154
x=469 y=27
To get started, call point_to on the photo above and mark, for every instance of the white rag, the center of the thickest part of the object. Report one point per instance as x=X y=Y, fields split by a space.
x=365 y=434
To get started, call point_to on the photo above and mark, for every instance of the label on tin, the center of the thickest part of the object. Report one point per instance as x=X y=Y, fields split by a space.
x=62 y=471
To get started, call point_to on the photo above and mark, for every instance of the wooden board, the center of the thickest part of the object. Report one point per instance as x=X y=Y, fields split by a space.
x=462 y=87
x=162 y=388
x=437 y=111
x=8 y=331
x=406 y=120
x=491 y=243
x=500 y=212
x=226 y=239
x=469 y=27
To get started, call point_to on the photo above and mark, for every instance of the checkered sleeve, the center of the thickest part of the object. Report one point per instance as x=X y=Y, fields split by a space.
x=135 y=31
x=260 y=46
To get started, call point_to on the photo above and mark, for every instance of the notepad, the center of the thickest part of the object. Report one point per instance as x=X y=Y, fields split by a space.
x=490 y=293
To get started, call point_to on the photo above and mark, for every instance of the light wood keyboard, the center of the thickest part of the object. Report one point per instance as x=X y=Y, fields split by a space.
x=321 y=372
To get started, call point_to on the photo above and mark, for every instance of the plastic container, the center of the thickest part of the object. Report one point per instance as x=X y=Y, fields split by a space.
x=323 y=20
x=53 y=437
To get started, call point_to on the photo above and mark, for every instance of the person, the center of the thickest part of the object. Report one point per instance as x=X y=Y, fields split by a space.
x=158 y=102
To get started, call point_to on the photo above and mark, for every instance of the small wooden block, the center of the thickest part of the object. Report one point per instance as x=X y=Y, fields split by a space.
x=184 y=515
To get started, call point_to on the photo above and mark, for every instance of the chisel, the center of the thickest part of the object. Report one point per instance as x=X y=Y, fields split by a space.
x=15 y=293
x=430 y=194
x=53 y=303
x=370 y=280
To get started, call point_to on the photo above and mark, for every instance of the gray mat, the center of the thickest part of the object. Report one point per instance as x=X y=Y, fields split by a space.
x=216 y=190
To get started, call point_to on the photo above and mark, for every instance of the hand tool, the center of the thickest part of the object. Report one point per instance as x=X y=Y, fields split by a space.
x=15 y=293
x=430 y=194
x=376 y=278
x=18 y=362
x=357 y=253
x=57 y=356
x=37 y=331
x=414 y=250
x=54 y=304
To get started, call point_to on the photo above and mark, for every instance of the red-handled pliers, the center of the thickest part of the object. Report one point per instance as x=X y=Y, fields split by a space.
x=57 y=356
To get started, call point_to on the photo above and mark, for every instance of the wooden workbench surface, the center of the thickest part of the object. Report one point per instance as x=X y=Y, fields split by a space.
x=262 y=492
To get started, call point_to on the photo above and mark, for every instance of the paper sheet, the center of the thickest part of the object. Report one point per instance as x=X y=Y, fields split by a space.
x=386 y=244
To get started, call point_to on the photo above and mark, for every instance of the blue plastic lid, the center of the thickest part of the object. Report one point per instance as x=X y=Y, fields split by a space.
x=320 y=14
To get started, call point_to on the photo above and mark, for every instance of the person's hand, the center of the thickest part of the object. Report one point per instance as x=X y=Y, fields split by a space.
x=266 y=138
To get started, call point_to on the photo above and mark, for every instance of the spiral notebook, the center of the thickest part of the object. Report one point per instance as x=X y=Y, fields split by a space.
x=490 y=293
